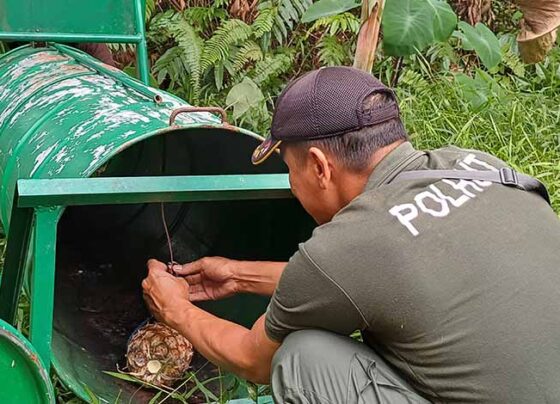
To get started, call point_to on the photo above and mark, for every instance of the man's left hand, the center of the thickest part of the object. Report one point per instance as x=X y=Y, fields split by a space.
x=165 y=294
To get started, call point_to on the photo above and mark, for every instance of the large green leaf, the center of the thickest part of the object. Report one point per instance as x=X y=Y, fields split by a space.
x=484 y=42
x=411 y=25
x=326 y=8
x=483 y=89
x=407 y=26
x=445 y=19
x=244 y=96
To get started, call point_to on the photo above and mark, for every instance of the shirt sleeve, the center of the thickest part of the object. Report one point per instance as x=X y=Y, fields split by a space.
x=306 y=297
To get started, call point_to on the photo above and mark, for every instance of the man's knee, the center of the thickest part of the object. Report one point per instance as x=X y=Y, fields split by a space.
x=315 y=366
x=309 y=346
x=307 y=368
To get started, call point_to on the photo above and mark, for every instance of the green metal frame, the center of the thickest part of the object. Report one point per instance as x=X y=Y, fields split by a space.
x=39 y=203
x=138 y=38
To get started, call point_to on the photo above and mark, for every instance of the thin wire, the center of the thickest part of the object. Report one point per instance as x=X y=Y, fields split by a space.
x=169 y=245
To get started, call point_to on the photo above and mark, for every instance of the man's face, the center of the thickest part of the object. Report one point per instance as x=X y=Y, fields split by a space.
x=305 y=184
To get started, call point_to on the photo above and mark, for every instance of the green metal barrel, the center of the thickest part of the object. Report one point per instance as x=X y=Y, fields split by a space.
x=24 y=379
x=65 y=115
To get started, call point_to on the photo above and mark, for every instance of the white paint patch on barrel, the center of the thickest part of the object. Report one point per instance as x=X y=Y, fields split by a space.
x=41 y=157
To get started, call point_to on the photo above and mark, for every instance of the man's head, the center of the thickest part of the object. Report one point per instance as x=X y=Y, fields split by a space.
x=332 y=126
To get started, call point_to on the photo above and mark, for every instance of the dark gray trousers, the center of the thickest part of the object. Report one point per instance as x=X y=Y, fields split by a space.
x=315 y=366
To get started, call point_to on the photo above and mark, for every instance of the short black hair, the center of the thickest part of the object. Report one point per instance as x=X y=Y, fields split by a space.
x=355 y=149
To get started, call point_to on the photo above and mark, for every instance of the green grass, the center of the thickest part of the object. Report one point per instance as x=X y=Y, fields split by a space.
x=522 y=129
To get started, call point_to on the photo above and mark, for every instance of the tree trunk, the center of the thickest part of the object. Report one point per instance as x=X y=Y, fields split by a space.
x=372 y=11
x=474 y=11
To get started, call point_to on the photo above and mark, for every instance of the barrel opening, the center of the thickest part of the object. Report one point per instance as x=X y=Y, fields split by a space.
x=102 y=251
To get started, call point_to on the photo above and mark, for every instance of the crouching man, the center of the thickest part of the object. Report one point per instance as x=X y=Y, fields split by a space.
x=452 y=277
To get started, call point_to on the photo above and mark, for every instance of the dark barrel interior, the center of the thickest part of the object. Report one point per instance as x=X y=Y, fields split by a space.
x=102 y=252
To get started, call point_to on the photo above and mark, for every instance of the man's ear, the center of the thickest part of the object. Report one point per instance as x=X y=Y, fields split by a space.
x=321 y=166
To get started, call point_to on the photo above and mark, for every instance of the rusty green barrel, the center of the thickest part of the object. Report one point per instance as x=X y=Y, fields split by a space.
x=65 y=115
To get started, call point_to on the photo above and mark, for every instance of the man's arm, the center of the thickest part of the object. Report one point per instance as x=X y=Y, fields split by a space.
x=214 y=278
x=245 y=352
x=259 y=277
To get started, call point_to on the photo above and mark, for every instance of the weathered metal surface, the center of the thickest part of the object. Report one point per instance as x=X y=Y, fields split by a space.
x=98 y=191
x=105 y=21
x=60 y=118
x=90 y=17
x=42 y=282
x=23 y=378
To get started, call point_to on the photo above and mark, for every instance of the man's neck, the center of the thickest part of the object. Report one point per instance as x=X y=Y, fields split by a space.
x=353 y=184
x=380 y=155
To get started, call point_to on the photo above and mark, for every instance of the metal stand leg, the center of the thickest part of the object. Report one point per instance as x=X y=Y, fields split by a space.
x=142 y=60
x=141 y=47
x=42 y=282
x=12 y=276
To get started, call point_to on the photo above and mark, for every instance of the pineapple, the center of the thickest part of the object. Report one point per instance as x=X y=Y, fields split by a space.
x=158 y=355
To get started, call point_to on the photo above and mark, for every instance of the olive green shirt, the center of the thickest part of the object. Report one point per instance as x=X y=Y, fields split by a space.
x=455 y=283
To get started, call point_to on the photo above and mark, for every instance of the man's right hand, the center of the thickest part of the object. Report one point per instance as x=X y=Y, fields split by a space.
x=209 y=278
x=213 y=278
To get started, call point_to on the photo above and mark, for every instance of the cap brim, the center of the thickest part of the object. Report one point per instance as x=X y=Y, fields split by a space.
x=264 y=150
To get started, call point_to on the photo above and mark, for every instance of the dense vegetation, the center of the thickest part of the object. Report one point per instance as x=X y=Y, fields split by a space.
x=239 y=55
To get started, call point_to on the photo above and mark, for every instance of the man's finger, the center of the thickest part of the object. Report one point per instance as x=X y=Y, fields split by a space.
x=155 y=265
x=196 y=289
x=190 y=268
x=193 y=279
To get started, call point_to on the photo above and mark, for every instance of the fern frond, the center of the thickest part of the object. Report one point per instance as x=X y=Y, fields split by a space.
x=170 y=65
x=271 y=66
x=250 y=52
x=163 y=21
x=415 y=83
x=202 y=18
x=150 y=9
x=121 y=47
x=279 y=30
x=264 y=22
x=339 y=23
x=192 y=47
x=218 y=47
x=511 y=60
x=332 y=52
x=287 y=15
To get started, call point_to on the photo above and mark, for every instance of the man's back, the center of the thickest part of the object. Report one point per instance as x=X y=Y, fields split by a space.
x=456 y=283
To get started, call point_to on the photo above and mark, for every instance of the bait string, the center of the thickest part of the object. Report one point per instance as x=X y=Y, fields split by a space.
x=169 y=244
